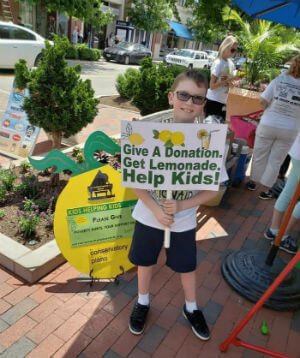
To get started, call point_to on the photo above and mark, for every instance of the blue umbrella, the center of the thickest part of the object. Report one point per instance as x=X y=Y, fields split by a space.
x=283 y=12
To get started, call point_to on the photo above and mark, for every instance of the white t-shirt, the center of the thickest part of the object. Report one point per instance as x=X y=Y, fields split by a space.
x=183 y=221
x=295 y=150
x=283 y=95
x=220 y=68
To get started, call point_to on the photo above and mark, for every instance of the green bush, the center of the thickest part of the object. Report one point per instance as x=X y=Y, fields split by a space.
x=150 y=85
x=126 y=83
x=7 y=176
x=88 y=54
x=3 y=192
x=72 y=52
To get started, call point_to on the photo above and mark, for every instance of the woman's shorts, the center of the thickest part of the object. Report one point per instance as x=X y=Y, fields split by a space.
x=148 y=241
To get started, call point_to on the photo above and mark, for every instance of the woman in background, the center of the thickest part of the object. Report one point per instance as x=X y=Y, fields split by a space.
x=278 y=128
x=221 y=78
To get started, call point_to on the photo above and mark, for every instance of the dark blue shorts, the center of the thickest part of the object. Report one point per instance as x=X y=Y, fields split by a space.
x=148 y=241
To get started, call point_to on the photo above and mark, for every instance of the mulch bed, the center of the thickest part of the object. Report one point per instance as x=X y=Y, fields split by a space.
x=119 y=102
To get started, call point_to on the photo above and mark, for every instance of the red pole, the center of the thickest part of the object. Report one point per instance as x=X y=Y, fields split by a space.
x=224 y=346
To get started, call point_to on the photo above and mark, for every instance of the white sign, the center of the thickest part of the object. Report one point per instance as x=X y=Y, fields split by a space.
x=172 y=156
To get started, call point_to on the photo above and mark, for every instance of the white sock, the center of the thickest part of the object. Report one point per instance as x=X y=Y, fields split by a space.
x=274 y=231
x=144 y=299
x=285 y=236
x=191 y=306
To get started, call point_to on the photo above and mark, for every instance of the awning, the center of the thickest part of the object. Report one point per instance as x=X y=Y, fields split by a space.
x=180 y=30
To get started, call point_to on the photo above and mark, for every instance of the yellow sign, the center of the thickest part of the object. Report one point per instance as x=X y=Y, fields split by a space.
x=93 y=225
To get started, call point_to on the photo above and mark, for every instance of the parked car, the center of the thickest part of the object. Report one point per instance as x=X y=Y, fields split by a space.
x=188 y=58
x=18 y=42
x=126 y=53
x=239 y=62
x=211 y=55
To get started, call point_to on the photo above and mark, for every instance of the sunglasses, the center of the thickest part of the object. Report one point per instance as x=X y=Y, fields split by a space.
x=184 y=96
x=233 y=50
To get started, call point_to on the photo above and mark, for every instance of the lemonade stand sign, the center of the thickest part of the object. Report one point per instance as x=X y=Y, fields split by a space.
x=93 y=225
x=172 y=156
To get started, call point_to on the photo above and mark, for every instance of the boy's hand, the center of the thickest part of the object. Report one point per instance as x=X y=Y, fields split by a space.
x=162 y=217
x=170 y=207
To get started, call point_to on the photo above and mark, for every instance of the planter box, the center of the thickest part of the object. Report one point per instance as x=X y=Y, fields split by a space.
x=241 y=101
x=28 y=264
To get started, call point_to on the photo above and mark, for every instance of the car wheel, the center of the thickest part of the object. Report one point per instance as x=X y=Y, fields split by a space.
x=126 y=60
x=37 y=60
x=107 y=59
x=190 y=67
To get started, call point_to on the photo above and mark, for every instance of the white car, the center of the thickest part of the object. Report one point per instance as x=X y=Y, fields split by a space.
x=188 y=58
x=211 y=55
x=18 y=42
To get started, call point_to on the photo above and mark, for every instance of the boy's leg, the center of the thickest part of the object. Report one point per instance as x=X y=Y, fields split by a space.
x=190 y=308
x=140 y=310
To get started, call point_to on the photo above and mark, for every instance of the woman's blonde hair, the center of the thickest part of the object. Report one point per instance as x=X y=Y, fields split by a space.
x=229 y=41
x=294 y=69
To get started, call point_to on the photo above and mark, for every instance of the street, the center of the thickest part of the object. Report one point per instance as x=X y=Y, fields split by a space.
x=102 y=74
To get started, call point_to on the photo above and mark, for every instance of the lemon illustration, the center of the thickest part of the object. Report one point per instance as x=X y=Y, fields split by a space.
x=81 y=220
x=136 y=139
x=177 y=138
x=165 y=135
x=202 y=133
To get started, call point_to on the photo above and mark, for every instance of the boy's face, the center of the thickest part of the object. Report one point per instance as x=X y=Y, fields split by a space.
x=187 y=111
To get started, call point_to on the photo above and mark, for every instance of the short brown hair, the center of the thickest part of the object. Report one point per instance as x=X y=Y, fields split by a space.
x=294 y=69
x=196 y=76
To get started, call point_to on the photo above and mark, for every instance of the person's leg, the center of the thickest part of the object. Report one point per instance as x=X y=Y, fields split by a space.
x=144 y=279
x=283 y=140
x=262 y=147
x=188 y=281
x=284 y=167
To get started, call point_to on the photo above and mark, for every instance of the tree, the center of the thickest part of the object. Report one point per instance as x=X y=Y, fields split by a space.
x=59 y=102
x=265 y=44
x=152 y=15
x=87 y=10
x=206 y=20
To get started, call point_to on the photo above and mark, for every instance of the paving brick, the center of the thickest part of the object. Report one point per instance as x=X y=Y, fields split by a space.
x=5 y=289
x=131 y=288
x=176 y=336
x=249 y=244
x=169 y=316
x=21 y=293
x=200 y=256
x=126 y=343
x=117 y=303
x=120 y=322
x=191 y=347
x=111 y=354
x=46 y=349
x=18 y=311
x=3 y=325
x=245 y=212
x=73 y=347
x=46 y=327
x=212 y=280
x=97 y=323
x=71 y=326
x=4 y=306
x=161 y=300
x=101 y=344
x=112 y=289
x=164 y=351
x=19 y=350
x=295 y=324
x=16 y=331
x=212 y=311
x=138 y=353
x=94 y=305
x=152 y=339
x=67 y=309
x=45 y=309
x=259 y=227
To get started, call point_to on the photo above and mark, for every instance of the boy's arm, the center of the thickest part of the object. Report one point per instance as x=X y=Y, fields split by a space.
x=165 y=219
x=173 y=206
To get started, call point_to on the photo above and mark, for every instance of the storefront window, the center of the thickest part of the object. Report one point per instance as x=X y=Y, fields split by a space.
x=26 y=12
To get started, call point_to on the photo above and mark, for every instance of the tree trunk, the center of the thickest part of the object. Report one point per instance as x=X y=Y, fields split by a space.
x=56 y=144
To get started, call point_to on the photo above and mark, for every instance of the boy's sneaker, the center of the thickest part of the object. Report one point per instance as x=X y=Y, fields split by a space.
x=288 y=245
x=198 y=323
x=251 y=185
x=266 y=195
x=138 y=318
x=269 y=235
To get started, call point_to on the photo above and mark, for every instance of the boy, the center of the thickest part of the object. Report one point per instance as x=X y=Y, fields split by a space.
x=153 y=214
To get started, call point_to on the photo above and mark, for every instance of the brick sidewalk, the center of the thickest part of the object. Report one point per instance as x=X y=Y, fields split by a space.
x=61 y=316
